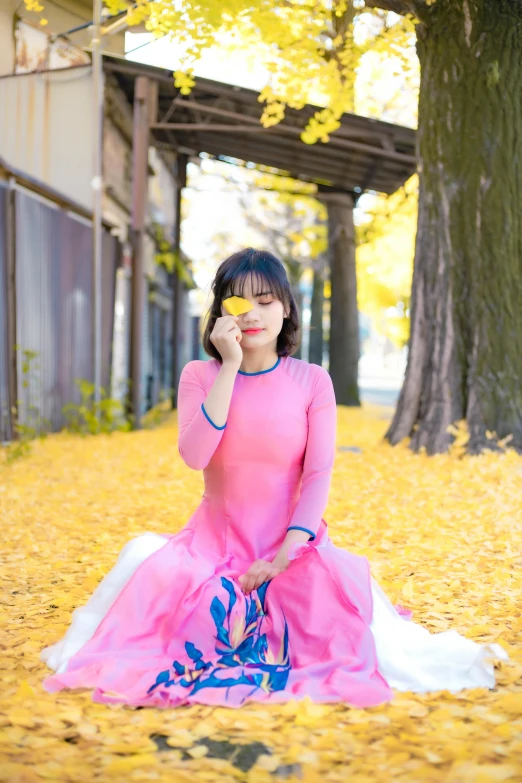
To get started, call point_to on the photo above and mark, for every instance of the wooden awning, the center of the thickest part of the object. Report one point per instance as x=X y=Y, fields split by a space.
x=223 y=120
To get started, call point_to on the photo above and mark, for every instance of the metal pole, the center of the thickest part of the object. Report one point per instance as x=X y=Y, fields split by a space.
x=97 y=192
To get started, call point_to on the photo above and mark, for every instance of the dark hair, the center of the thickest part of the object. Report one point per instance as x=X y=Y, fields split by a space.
x=230 y=280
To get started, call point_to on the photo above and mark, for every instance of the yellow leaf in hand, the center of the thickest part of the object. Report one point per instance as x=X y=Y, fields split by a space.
x=236 y=305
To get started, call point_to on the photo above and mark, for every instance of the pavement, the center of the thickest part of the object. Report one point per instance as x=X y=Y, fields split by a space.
x=378 y=396
x=380 y=378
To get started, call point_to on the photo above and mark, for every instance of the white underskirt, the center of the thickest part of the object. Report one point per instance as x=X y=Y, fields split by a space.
x=410 y=657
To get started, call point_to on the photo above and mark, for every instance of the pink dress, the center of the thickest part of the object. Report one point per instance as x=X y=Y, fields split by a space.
x=170 y=625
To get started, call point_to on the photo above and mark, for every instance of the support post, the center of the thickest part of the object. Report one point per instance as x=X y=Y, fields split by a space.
x=344 y=320
x=12 y=358
x=315 y=343
x=140 y=149
x=97 y=195
x=177 y=288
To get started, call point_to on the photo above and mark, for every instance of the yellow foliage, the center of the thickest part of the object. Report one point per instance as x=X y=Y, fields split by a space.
x=311 y=49
x=34 y=6
x=443 y=536
x=385 y=252
x=184 y=81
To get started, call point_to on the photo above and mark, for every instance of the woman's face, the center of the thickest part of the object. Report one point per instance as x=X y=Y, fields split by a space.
x=261 y=325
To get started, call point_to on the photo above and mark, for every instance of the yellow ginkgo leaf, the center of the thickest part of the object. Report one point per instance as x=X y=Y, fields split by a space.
x=407 y=590
x=128 y=763
x=198 y=752
x=236 y=305
x=24 y=691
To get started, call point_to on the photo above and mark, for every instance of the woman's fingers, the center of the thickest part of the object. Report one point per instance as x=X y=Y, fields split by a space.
x=257 y=574
x=261 y=579
x=225 y=324
x=250 y=583
x=247 y=580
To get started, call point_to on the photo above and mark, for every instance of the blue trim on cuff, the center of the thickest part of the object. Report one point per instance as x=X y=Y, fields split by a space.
x=210 y=420
x=297 y=527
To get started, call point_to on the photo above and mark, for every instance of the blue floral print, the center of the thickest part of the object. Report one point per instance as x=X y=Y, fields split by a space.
x=239 y=643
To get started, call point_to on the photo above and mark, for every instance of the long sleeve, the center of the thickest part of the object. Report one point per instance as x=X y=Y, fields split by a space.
x=198 y=436
x=319 y=457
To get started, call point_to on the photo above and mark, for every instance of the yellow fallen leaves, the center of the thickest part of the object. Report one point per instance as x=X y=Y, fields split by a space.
x=443 y=536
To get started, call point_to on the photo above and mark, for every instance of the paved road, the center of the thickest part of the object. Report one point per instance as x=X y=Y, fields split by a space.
x=379 y=396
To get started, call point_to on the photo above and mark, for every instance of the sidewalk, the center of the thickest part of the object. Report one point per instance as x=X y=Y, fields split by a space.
x=380 y=378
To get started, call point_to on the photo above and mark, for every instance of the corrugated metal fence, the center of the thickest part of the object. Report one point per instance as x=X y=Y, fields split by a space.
x=54 y=325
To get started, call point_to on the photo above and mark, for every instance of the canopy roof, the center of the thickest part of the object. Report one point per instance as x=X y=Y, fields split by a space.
x=224 y=120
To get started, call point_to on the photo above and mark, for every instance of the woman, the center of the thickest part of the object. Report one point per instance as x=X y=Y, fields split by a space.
x=251 y=600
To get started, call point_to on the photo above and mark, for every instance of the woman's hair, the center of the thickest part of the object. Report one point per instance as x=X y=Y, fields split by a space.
x=266 y=270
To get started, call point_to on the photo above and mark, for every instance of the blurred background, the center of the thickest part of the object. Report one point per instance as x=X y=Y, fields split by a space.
x=124 y=183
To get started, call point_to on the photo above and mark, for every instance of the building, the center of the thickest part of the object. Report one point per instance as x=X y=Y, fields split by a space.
x=47 y=138
x=142 y=109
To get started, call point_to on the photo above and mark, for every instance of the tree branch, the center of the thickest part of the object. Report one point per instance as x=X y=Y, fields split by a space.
x=402 y=7
x=397 y=6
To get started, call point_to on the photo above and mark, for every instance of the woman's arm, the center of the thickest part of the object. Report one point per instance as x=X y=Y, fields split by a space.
x=292 y=537
x=315 y=485
x=319 y=460
x=202 y=417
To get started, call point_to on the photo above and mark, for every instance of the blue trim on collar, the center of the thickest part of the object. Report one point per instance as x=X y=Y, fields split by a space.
x=261 y=372
x=297 y=527
x=210 y=420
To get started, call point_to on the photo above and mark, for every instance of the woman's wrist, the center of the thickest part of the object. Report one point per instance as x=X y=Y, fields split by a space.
x=292 y=537
x=230 y=367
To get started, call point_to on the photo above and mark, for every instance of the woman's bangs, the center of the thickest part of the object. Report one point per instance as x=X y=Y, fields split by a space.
x=262 y=280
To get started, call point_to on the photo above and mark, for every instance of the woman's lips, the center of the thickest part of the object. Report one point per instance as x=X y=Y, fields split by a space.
x=251 y=331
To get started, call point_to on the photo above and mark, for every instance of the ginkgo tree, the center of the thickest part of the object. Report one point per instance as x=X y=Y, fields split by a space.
x=466 y=314
x=385 y=251
x=294 y=227
x=465 y=358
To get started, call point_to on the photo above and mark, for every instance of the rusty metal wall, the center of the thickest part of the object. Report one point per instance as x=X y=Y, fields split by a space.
x=54 y=309
x=5 y=428
x=45 y=126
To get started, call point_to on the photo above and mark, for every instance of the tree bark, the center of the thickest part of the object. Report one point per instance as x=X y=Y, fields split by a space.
x=294 y=271
x=465 y=355
x=315 y=345
x=397 y=6
x=344 y=319
x=299 y=304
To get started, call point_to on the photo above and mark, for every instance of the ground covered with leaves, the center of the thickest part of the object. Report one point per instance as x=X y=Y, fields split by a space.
x=443 y=536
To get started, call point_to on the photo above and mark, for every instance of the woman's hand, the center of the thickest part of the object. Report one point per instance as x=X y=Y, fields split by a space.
x=259 y=572
x=226 y=336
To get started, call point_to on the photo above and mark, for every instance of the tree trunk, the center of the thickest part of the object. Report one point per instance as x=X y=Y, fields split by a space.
x=465 y=355
x=344 y=319
x=315 y=345
x=299 y=304
x=294 y=270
